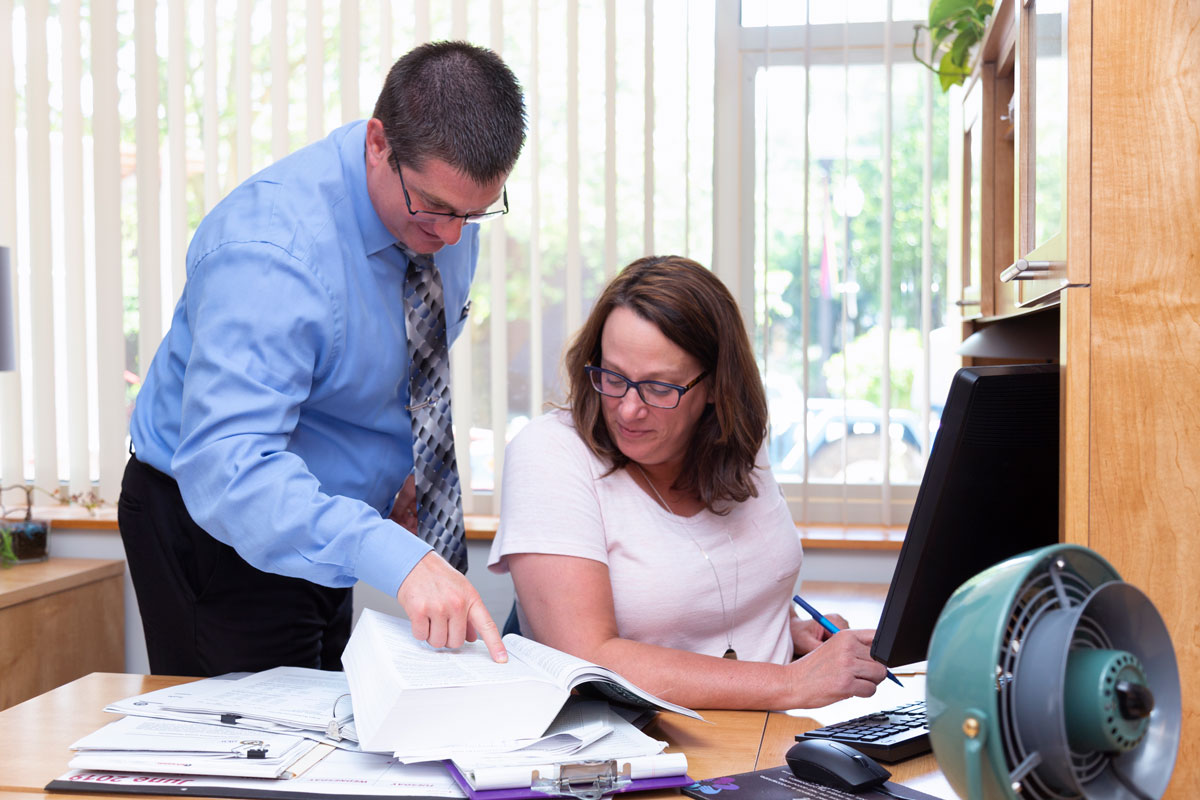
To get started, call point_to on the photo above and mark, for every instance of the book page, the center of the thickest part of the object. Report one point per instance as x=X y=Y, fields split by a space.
x=569 y=672
x=418 y=666
x=619 y=740
x=559 y=667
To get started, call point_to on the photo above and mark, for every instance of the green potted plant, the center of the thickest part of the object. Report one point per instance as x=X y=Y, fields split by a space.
x=955 y=27
x=27 y=539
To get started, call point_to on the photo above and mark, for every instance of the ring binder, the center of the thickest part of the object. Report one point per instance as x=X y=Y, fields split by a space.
x=334 y=729
x=586 y=780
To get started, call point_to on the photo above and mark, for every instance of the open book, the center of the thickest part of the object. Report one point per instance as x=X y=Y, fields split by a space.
x=408 y=696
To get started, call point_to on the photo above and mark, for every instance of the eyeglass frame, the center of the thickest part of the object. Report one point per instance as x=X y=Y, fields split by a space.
x=592 y=370
x=446 y=216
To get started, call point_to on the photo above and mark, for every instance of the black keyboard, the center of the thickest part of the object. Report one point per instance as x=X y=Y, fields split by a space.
x=891 y=735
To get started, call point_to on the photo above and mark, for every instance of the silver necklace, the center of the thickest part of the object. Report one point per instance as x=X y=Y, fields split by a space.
x=727 y=619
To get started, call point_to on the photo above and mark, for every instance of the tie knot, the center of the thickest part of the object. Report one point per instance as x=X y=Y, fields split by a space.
x=415 y=260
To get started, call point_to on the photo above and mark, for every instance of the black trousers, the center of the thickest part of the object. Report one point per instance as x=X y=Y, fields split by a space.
x=205 y=610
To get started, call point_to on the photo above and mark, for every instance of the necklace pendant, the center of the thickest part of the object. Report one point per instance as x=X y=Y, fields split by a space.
x=730 y=654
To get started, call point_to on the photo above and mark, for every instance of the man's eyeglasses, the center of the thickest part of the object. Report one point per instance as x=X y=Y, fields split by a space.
x=653 y=393
x=436 y=217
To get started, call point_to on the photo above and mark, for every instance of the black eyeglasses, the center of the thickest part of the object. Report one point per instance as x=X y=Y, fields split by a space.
x=653 y=393
x=444 y=216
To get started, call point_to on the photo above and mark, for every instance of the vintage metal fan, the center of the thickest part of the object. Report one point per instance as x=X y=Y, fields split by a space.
x=1050 y=678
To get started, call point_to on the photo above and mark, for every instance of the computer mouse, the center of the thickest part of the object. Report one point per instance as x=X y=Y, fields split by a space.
x=835 y=764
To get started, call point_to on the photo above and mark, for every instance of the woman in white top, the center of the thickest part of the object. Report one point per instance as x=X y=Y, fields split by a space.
x=638 y=528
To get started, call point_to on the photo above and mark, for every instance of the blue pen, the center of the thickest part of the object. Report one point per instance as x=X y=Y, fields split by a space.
x=829 y=626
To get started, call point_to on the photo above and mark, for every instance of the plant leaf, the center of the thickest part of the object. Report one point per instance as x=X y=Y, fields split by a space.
x=950 y=73
x=960 y=51
x=941 y=10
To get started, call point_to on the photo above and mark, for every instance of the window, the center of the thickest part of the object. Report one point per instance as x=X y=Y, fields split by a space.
x=848 y=291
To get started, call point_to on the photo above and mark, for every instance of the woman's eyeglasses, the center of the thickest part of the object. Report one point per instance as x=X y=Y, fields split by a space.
x=653 y=393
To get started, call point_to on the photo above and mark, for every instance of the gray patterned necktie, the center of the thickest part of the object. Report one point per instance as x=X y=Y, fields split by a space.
x=439 y=496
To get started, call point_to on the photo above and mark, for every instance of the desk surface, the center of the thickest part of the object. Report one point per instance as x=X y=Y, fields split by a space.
x=38 y=732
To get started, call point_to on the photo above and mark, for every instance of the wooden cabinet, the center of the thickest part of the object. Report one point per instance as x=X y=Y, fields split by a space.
x=1129 y=300
x=1133 y=319
x=59 y=620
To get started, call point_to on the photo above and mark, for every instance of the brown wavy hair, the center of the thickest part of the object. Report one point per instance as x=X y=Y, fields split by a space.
x=694 y=310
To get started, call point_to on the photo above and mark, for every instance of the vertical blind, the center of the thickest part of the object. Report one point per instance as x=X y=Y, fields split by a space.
x=123 y=121
x=735 y=133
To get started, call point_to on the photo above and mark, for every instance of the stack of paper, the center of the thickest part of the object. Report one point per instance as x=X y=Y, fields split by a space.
x=307 y=702
x=143 y=744
x=281 y=699
x=436 y=719
x=341 y=774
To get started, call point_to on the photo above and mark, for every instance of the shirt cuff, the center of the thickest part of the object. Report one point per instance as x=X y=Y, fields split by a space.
x=389 y=553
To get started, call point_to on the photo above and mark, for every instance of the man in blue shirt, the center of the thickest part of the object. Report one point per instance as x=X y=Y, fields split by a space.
x=272 y=442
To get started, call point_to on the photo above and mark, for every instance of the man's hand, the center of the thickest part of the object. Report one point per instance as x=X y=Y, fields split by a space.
x=404 y=509
x=444 y=608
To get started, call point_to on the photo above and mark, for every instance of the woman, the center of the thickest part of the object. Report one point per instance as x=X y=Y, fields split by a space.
x=639 y=531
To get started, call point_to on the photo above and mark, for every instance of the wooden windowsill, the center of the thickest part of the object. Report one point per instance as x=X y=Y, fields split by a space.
x=482 y=527
x=70 y=517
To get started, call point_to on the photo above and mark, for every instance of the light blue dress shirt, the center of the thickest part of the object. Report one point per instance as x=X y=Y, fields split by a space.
x=277 y=399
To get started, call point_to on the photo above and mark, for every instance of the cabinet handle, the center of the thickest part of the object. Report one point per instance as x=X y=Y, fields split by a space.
x=964 y=303
x=1022 y=270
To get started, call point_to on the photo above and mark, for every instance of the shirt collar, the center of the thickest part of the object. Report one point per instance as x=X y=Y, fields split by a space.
x=375 y=235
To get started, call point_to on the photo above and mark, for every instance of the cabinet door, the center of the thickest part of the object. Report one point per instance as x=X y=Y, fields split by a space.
x=972 y=203
x=1041 y=152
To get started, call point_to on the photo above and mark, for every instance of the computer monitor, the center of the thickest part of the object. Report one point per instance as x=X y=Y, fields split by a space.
x=990 y=491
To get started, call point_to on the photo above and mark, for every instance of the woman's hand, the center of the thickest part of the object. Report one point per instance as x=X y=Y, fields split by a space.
x=807 y=634
x=838 y=668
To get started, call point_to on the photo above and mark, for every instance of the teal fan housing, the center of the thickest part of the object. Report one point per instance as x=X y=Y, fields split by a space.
x=1052 y=679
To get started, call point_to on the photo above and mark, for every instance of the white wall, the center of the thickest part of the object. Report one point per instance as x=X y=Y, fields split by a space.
x=869 y=566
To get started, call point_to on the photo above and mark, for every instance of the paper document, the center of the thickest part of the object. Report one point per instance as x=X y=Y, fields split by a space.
x=341 y=774
x=294 y=696
x=142 y=744
x=578 y=725
x=178 y=702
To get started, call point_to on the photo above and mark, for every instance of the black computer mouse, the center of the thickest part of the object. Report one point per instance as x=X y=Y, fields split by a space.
x=835 y=764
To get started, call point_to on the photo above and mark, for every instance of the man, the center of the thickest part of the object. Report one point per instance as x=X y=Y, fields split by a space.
x=275 y=427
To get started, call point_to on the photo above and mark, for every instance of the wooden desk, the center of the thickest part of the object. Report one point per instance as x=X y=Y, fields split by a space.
x=59 y=619
x=37 y=735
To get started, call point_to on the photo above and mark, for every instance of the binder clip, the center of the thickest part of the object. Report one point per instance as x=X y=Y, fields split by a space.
x=334 y=729
x=251 y=748
x=586 y=780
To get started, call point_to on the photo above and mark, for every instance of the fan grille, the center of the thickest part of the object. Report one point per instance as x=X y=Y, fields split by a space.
x=1057 y=587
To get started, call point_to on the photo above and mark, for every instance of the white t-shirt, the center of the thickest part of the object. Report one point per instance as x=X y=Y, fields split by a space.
x=664 y=591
